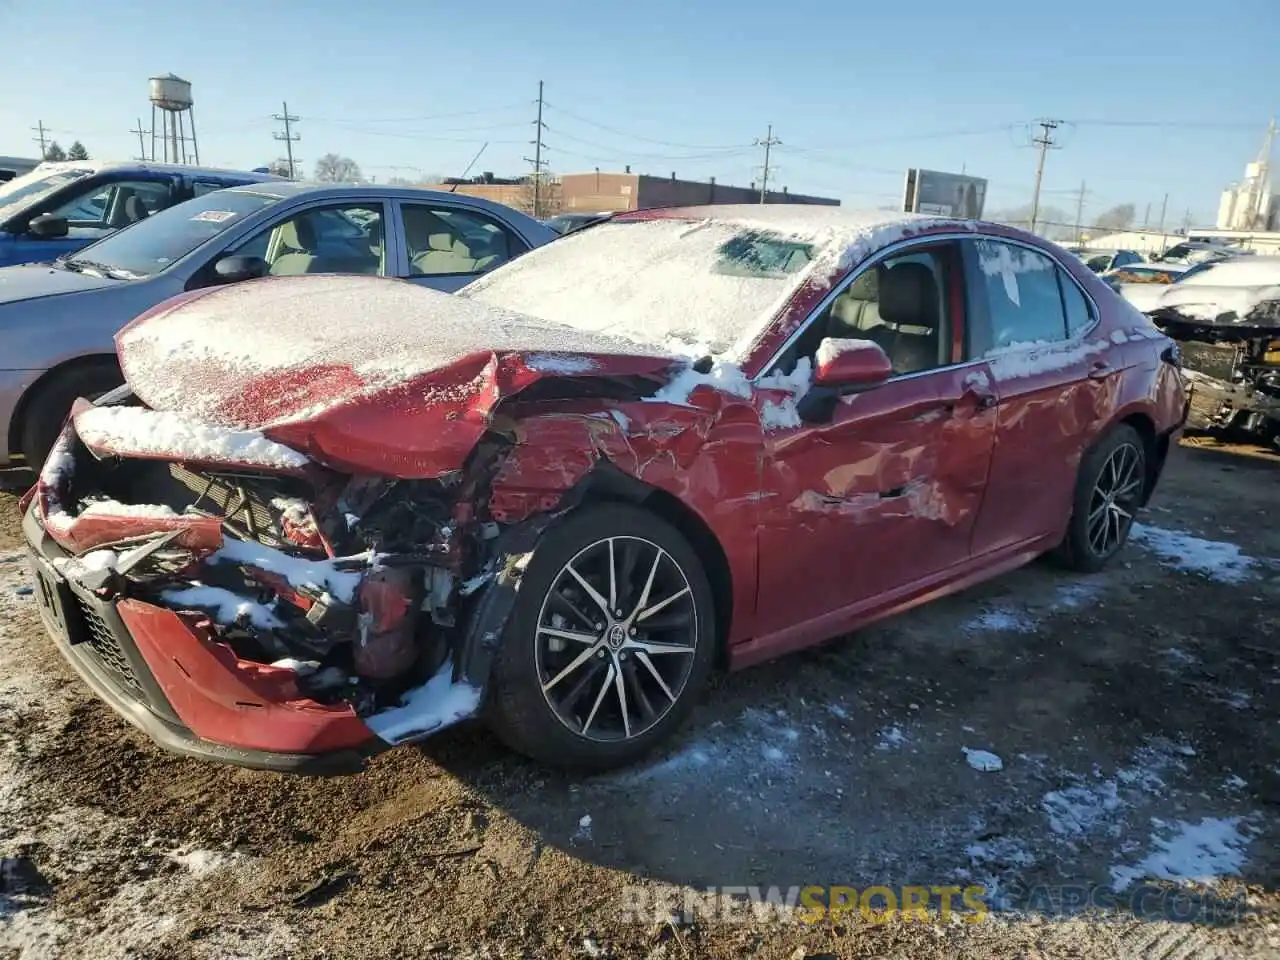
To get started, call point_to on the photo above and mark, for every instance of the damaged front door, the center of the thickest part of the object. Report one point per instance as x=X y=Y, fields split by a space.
x=887 y=492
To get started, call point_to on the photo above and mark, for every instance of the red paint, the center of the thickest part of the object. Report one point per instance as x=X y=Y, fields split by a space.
x=862 y=365
x=912 y=489
x=230 y=701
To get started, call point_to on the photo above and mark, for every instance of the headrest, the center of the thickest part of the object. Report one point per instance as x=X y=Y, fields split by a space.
x=909 y=295
x=448 y=243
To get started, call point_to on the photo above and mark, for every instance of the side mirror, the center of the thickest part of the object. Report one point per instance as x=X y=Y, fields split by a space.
x=843 y=366
x=47 y=227
x=233 y=269
x=851 y=365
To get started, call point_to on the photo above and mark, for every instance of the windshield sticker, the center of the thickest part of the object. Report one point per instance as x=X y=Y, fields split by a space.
x=214 y=216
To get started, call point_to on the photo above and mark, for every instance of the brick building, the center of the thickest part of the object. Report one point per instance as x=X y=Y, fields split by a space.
x=599 y=192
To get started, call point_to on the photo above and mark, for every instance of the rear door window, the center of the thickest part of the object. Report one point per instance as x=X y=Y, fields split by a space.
x=1020 y=291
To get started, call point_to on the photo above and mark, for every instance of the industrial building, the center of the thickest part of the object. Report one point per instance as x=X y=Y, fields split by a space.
x=600 y=191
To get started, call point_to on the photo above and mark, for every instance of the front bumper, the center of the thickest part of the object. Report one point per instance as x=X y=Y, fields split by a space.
x=165 y=679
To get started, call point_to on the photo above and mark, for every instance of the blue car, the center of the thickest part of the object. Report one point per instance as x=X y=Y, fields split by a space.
x=57 y=208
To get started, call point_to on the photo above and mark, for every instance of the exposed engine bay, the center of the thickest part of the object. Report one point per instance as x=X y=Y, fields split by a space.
x=1232 y=367
x=360 y=585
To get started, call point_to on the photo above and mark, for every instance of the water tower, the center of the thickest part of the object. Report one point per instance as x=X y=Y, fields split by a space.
x=171 y=96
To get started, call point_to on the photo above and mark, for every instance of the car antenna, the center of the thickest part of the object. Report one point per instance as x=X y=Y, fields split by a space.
x=469 y=166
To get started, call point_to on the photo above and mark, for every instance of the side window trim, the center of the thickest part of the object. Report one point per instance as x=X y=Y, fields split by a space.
x=1091 y=305
x=899 y=249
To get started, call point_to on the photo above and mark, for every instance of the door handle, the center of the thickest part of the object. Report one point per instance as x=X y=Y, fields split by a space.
x=1101 y=370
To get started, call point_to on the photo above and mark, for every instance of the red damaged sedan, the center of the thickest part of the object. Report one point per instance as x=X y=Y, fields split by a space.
x=328 y=515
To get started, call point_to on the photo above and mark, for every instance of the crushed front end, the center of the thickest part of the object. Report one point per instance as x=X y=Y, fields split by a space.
x=1232 y=365
x=240 y=603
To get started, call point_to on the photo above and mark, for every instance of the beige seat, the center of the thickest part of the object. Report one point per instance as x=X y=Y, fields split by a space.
x=298 y=238
x=445 y=254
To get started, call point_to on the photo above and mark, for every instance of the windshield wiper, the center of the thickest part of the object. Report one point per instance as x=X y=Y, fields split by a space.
x=79 y=265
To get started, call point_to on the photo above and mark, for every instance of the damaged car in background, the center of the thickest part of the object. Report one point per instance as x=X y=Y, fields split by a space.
x=328 y=515
x=1226 y=317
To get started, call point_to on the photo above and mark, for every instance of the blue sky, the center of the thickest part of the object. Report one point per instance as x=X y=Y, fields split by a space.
x=1166 y=98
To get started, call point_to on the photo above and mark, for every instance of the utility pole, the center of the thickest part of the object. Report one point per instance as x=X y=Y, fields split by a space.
x=1164 y=207
x=1186 y=223
x=1146 y=216
x=142 y=145
x=1080 y=212
x=537 y=161
x=289 y=137
x=1045 y=141
x=769 y=142
x=41 y=139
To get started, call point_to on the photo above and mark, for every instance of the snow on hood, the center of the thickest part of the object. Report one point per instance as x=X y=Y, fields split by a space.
x=1235 y=286
x=356 y=372
x=272 y=351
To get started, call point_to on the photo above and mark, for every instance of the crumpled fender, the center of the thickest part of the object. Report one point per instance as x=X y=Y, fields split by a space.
x=396 y=434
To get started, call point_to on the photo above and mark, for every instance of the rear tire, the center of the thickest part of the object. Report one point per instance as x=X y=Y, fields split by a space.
x=45 y=411
x=570 y=670
x=1110 y=485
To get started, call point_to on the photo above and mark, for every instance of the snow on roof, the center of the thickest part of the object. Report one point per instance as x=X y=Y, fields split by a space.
x=99 y=166
x=1229 y=286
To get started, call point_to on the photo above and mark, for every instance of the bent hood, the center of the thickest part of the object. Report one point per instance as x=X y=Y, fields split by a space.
x=359 y=373
x=31 y=281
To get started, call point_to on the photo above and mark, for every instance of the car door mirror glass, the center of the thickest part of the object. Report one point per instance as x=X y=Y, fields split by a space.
x=235 y=268
x=849 y=365
x=47 y=227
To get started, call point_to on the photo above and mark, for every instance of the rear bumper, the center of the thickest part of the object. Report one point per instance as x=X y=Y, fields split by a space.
x=167 y=679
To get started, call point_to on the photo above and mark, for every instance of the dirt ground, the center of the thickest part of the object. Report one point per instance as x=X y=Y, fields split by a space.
x=1136 y=714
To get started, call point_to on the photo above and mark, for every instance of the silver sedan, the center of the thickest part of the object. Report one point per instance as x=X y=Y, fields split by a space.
x=58 y=321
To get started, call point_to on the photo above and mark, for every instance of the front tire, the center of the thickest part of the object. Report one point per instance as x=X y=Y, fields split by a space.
x=612 y=636
x=47 y=409
x=1109 y=491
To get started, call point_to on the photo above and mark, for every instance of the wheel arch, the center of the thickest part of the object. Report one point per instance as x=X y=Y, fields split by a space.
x=1155 y=446
x=14 y=438
x=607 y=483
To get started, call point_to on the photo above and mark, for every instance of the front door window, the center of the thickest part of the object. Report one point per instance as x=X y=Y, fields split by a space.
x=338 y=238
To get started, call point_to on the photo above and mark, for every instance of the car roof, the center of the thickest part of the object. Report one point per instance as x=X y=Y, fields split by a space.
x=288 y=189
x=147 y=166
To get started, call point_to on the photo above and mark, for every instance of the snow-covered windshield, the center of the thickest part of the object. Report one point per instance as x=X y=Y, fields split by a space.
x=22 y=192
x=153 y=244
x=695 y=287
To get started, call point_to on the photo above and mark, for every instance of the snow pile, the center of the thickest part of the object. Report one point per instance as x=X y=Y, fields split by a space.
x=783 y=414
x=224 y=606
x=566 y=364
x=436 y=704
x=725 y=377
x=317 y=574
x=833 y=347
x=891 y=738
x=135 y=431
x=1002 y=620
x=74 y=568
x=1192 y=853
x=114 y=508
x=1217 y=560
x=983 y=760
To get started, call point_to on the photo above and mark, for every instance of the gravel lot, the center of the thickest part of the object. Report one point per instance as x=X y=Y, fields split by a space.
x=1136 y=715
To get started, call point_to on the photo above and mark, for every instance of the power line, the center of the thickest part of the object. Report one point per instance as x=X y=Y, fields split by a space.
x=41 y=139
x=1045 y=141
x=636 y=136
x=768 y=143
x=289 y=137
x=434 y=116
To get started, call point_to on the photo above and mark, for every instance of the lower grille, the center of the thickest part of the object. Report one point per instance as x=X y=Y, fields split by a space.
x=107 y=649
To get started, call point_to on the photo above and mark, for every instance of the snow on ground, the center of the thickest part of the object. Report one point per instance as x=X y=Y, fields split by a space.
x=1216 y=559
x=43 y=841
x=1202 y=852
